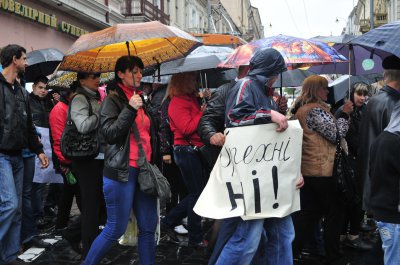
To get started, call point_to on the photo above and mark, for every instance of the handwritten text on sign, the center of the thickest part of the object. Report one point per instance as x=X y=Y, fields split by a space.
x=255 y=174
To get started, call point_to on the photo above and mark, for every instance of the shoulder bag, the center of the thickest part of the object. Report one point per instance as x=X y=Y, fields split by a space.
x=151 y=180
x=344 y=175
x=76 y=145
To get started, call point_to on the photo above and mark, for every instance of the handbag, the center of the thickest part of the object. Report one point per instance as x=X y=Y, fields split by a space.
x=151 y=180
x=209 y=156
x=76 y=145
x=344 y=175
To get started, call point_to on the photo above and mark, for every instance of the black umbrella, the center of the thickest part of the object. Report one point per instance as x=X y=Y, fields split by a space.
x=292 y=78
x=42 y=63
x=340 y=86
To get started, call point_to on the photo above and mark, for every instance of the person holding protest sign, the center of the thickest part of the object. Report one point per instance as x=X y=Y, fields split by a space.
x=249 y=102
x=319 y=196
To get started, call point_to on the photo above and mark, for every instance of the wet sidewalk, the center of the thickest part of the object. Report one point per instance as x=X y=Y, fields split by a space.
x=172 y=254
x=169 y=253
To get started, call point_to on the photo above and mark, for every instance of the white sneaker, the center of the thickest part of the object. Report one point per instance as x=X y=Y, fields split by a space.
x=180 y=229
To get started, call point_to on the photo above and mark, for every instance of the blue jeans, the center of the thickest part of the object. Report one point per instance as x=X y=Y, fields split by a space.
x=263 y=241
x=29 y=229
x=276 y=247
x=390 y=235
x=194 y=178
x=11 y=179
x=120 y=198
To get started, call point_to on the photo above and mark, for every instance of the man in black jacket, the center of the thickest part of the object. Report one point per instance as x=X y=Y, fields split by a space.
x=40 y=102
x=16 y=132
x=376 y=118
x=385 y=187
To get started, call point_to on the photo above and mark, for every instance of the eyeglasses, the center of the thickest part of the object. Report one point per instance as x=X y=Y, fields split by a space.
x=94 y=76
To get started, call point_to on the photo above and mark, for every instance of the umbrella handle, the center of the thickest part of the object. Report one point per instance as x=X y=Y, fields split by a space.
x=158 y=68
x=127 y=46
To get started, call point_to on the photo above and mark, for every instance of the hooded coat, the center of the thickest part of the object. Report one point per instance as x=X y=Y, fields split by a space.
x=249 y=102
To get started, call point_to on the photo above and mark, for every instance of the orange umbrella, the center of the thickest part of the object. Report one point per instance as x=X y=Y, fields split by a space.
x=153 y=42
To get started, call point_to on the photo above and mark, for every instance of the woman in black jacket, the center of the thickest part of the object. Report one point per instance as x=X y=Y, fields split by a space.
x=120 y=110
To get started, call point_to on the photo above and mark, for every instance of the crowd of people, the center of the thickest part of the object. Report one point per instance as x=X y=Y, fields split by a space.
x=170 y=124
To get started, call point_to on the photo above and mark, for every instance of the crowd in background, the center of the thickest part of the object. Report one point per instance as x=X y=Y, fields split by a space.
x=173 y=121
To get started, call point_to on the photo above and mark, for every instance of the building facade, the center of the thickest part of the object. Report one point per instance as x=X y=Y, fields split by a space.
x=384 y=11
x=38 y=24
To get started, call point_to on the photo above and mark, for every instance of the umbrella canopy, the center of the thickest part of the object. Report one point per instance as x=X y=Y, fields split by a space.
x=382 y=41
x=292 y=78
x=202 y=58
x=297 y=52
x=361 y=62
x=153 y=79
x=153 y=42
x=42 y=63
x=340 y=86
x=64 y=79
x=344 y=38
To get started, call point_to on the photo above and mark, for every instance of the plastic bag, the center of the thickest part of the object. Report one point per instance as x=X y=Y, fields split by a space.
x=130 y=236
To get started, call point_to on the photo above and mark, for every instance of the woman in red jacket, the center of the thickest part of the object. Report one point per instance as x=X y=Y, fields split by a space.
x=57 y=120
x=184 y=114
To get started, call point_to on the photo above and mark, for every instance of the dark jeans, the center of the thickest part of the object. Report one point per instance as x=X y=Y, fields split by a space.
x=193 y=175
x=121 y=198
x=353 y=212
x=28 y=228
x=90 y=176
x=319 y=198
x=65 y=203
x=38 y=190
x=52 y=192
x=178 y=189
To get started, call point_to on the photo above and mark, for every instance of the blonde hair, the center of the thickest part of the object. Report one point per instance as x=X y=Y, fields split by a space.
x=309 y=90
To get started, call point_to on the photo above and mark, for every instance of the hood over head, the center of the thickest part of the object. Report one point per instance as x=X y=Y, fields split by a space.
x=266 y=63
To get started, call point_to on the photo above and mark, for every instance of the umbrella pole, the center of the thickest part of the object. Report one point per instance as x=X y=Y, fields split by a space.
x=201 y=80
x=281 y=90
x=129 y=56
x=350 y=50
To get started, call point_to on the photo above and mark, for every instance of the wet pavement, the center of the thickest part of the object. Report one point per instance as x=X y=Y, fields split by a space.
x=169 y=253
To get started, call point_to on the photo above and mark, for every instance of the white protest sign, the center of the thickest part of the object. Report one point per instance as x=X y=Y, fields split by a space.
x=46 y=175
x=255 y=175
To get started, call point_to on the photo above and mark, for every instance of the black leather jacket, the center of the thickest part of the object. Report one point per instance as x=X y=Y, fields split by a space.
x=213 y=119
x=116 y=120
x=40 y=108
x=374 y=121
x=16 y=128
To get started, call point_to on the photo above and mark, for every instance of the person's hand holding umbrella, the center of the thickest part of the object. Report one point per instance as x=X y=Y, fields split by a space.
x=136 y=101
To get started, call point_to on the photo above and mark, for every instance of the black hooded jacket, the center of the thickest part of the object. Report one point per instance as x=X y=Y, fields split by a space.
x=16 y=127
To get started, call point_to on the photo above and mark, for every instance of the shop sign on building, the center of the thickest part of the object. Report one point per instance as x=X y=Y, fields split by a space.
x=40 y=17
